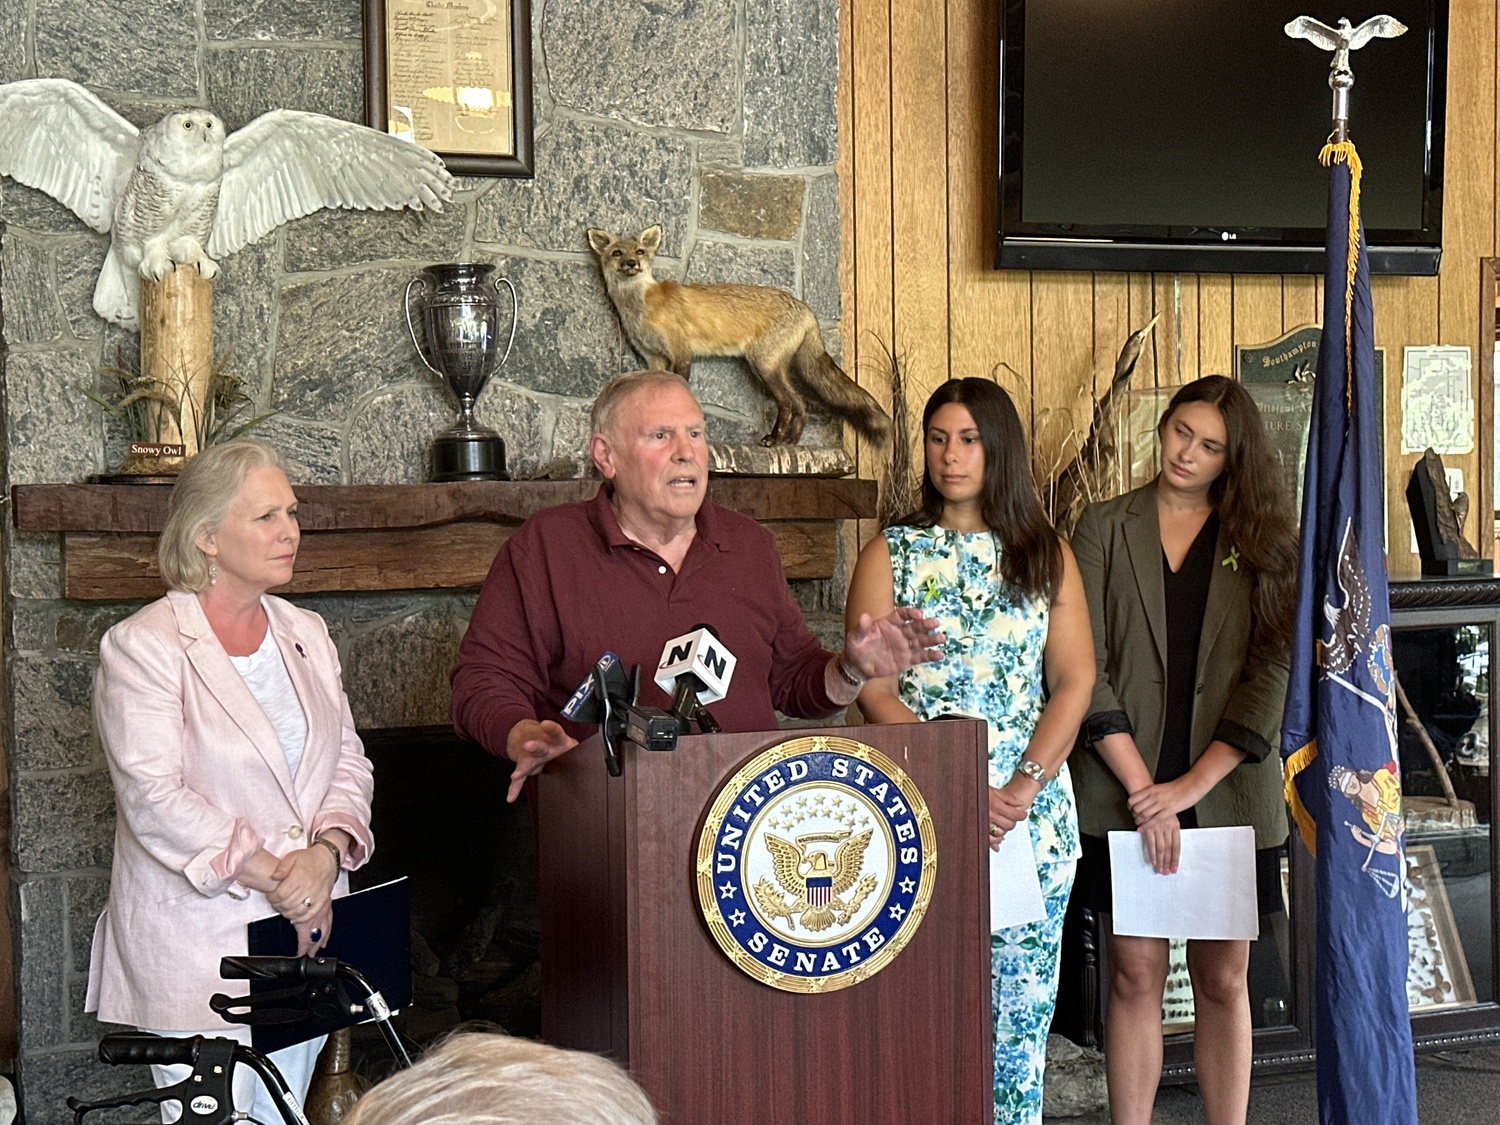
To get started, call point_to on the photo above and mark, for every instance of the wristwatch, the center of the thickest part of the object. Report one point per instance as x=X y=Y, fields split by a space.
x=1032 y=770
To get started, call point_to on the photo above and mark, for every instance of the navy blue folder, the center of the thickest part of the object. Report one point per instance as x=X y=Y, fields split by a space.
x=371 y=931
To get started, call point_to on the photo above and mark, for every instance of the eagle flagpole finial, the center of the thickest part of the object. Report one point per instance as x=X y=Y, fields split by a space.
x=1341 y=40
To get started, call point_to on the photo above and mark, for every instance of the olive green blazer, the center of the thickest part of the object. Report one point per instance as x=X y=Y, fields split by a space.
x=1238 y=699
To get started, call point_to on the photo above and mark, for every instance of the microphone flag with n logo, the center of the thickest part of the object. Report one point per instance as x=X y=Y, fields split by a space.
x=1339 y=731
x=701 y=654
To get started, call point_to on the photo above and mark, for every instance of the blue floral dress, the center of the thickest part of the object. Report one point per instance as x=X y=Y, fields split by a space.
x=992 y=667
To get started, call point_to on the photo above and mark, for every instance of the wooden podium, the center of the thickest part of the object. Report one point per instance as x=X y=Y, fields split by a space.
x=629 y=967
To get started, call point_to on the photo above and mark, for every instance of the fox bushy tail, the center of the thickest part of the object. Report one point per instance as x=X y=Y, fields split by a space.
x=826 y=381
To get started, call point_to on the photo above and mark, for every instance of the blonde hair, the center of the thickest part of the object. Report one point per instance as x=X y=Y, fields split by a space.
x=200 y=502
x=490 y=1078
x=621 y=387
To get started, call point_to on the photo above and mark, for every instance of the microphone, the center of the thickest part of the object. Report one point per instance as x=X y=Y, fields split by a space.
x=607 y=699
x=605 y=684
x=695 y=669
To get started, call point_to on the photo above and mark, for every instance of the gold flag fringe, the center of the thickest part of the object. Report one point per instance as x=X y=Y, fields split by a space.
x=1295 y=764
x=1342 y=151
x=1345 y=153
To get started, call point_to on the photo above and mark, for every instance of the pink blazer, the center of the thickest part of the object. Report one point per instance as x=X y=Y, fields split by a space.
x=201 y=783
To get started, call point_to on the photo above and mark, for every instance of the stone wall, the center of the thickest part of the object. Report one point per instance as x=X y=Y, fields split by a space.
x=714 y=118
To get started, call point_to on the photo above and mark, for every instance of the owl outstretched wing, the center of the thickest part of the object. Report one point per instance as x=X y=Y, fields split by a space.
x=286 y=164
x=57 y=137
x=786 y=859
x=848 y=861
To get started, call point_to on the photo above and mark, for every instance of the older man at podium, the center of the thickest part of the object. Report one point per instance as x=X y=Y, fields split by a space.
x=650 y=558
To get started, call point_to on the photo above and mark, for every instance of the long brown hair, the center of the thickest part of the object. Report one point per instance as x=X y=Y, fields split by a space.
x=1030 y=555
x=1254 y=512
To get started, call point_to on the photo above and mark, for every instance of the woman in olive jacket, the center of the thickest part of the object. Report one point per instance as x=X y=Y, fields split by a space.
x=1191 y=584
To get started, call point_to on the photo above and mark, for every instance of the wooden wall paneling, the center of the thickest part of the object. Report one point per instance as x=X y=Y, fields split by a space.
x=1468 y=165
x=848 y=201
x=1111 y=325
x=1142 y=307
x=958 y=316
x=1167 y=340
x=1257 y=311
x=1469 y=199
x=871 y=378
x=1488 y=291
x=919 y=189
x=1299 y=301
x=1215 y=324
x=1482 y=525
x=1406 y=312
x=1062 y=368
x=1191 y=319
x=1494 y=148
x=989 y=310
x=865 y=196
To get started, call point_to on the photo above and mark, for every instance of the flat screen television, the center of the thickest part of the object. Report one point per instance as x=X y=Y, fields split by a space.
x=1182 y=136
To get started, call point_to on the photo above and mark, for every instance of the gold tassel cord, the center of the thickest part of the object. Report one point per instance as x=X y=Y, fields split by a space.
x=1345 y=153
x=1295 y=763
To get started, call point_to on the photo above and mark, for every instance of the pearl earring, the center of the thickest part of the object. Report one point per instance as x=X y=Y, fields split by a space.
x=213 y=574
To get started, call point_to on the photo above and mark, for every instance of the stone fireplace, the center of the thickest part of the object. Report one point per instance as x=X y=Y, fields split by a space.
x=442 y=821
x=721 y=127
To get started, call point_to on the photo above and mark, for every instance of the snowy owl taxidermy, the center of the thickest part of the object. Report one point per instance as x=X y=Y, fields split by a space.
x=181 y=191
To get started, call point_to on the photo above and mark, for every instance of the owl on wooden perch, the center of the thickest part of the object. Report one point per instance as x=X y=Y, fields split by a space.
x=181 y=191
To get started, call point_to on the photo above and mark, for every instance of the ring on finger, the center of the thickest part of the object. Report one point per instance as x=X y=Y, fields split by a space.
x=307 y=901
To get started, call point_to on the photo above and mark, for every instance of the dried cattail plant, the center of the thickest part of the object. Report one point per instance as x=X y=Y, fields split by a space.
x=1077 y=471
x=902 y=491
x=1094 y=473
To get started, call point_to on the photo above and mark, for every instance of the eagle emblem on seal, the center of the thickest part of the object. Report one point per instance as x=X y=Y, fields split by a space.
x=815 y=883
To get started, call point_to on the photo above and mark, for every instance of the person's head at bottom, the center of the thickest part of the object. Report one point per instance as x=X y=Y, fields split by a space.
x=490 y=1078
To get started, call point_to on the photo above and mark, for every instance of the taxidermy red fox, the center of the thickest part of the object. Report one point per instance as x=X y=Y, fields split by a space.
x=670 y=324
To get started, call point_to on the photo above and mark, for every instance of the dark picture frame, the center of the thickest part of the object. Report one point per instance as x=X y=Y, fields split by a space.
x=516 y=160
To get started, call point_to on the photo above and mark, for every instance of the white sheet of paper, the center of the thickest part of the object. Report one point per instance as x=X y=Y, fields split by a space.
x=1015 y=890
x=1212 y=895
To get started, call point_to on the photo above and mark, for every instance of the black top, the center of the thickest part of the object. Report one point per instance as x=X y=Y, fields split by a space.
x=1187 y=596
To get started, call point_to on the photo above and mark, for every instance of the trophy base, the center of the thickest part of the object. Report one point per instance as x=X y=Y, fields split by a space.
x=468 y=457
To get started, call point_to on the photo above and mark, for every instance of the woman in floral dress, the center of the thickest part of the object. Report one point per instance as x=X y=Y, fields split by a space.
x=980 y=556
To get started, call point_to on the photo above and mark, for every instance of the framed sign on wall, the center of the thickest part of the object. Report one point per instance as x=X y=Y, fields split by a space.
x=453 y=77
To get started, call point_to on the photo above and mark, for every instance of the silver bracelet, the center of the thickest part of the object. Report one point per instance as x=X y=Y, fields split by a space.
x=1033 y=770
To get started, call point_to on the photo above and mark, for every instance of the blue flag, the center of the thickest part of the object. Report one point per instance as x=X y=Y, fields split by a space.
x=1339 y=733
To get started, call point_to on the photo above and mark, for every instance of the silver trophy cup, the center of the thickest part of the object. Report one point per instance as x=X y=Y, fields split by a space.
x=460 y=312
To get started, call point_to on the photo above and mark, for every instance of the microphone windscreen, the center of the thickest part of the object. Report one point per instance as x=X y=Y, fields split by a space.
x=702 y=655
x=584 y=705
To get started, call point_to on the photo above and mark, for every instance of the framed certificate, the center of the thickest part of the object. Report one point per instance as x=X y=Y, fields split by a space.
x=453 y=76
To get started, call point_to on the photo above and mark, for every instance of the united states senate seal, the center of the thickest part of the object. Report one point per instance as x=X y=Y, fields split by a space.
x=816 y=862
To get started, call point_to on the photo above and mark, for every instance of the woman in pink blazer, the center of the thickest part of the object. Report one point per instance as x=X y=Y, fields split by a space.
x=241 y=788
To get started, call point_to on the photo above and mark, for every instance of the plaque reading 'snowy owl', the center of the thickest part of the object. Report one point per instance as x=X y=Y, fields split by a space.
x=180 y=191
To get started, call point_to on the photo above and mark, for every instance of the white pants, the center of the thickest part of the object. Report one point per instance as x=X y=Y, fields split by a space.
x=295 y=1063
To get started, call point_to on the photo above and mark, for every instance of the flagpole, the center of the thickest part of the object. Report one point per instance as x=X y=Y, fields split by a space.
x=1339 y=750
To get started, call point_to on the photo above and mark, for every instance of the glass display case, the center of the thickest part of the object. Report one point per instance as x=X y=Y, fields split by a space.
x=1445 y=637
x=1444 y=663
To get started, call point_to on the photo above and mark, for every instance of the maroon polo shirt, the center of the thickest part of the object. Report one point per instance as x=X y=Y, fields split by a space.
x=569 y=586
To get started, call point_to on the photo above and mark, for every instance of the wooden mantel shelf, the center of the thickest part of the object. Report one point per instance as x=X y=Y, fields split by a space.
x=369 y=537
